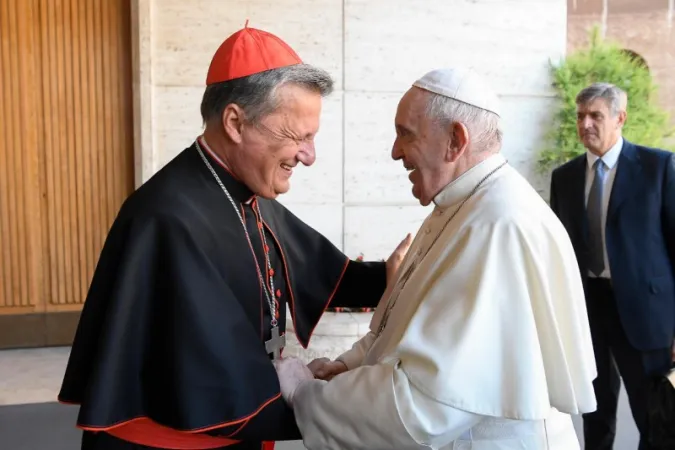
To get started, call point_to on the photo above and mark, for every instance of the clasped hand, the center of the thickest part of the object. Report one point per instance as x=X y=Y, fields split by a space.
x=325 y=369
x=292 y=372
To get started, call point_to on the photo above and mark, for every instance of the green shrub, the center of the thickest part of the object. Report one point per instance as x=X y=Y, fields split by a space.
x=603 y=61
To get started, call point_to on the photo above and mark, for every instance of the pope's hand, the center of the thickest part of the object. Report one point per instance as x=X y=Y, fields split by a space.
x=291 y=372
x=325 y=369
x=396 y=258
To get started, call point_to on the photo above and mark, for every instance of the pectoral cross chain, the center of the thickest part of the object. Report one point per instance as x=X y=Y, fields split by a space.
x=400 y=283
x=404 y=277
x=420 y=256
x=275 y=344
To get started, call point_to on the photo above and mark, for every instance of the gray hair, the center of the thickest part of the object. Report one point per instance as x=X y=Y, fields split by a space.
x=256 y=94
x=485 y=126
x=615 y=98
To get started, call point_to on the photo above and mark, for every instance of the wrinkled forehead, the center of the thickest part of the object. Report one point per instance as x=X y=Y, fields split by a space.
x=299 y=109
x=412 y=107
x=596 y=105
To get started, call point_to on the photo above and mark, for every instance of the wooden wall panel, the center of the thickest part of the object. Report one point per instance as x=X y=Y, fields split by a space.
x=88 y=125
x=66 y=149
x=21 y=244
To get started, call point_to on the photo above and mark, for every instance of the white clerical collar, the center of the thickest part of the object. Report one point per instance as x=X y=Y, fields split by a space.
x=610 y=158
x=458 y=189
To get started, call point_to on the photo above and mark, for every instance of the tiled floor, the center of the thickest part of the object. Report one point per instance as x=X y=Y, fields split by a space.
x=49 y=427
x=34 y=376
x=31 y=376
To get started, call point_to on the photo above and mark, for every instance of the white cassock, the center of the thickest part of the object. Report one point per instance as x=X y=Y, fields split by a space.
x=488 y=346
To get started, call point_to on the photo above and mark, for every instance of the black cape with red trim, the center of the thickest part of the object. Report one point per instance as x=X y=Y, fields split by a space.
x=173 y=328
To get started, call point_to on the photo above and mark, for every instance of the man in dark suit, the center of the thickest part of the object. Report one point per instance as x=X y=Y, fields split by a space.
x=617 y=202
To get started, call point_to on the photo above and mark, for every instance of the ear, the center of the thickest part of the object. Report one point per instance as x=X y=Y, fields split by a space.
x=623 y=115
x=233 y=122
x=458 y=143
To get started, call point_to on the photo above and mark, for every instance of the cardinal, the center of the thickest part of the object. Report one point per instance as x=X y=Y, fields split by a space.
x=187 y=307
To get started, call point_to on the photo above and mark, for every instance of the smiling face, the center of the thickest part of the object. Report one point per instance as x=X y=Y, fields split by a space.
x=427 y=149
x=267 y=151
x=598 y=127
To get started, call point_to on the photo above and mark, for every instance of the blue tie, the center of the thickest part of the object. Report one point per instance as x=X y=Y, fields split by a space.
x=594 y=210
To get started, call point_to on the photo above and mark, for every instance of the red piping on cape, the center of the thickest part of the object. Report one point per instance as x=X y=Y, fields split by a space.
x=290 y=290
x=154 y=434
x=145 y=431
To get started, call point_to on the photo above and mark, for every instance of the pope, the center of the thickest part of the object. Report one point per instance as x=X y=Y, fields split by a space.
x=483 y=341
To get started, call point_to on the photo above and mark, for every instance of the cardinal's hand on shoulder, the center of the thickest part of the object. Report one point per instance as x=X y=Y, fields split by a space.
x=291 y=372
x=396 y=258
x=325 y=369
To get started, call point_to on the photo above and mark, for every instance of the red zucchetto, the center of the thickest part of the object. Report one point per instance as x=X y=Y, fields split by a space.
x=249 y=51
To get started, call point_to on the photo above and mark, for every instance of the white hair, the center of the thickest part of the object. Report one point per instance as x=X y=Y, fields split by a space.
x=485 y=128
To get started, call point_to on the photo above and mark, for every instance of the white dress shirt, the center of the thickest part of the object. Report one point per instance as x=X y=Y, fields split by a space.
x=611 y=158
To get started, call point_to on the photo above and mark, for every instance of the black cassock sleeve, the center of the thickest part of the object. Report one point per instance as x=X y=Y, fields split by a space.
x=162 y=337
x=362 y=285
x=320 y=274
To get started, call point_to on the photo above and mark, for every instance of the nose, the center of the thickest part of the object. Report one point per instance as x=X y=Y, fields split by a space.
x=587 y=123
x=307 y=153
x=396 y=152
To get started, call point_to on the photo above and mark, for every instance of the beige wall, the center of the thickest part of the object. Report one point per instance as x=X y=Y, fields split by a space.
x=354 y=194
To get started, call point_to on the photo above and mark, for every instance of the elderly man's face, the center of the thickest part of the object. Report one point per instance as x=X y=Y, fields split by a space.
x=271 y=148
x=598 y=129
x=421 y=145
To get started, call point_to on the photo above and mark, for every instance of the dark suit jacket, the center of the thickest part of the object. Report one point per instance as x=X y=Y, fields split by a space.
x=639 y=236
